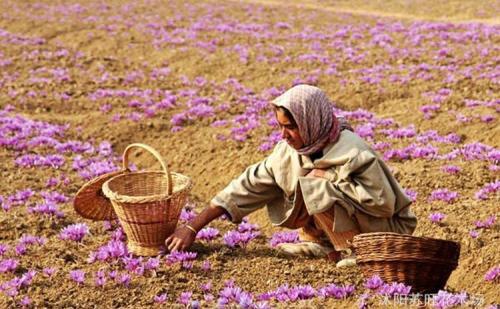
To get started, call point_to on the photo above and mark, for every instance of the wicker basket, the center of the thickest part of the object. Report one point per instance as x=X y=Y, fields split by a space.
x=424 y=263
x=148 y=204
x=91 y=203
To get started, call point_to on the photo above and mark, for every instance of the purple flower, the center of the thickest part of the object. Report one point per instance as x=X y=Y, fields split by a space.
x=445 y=299
x=337 y=292
x=185 y=298
x=436 y=217
x=284 y=237
x=483 y=193
x=206 y=265
x=152 y=264
x=160 y=298
x=49 y=271
x=8 y=265
x=493 y=274
x=373 y=282
x=235 y=238
x=187 y=214
x=75 y=232
x=3 y=249
x=206 y=287
x=246 y=226
x=393 y=288
x=25 y=302
x=123 y=279
x=207 y=234
x=474 y=234
x=443 y=195
x=100 y=278
x=77 y=275
x=411 y=194
x=451 y=169
x=180 y=256
x=487 y=223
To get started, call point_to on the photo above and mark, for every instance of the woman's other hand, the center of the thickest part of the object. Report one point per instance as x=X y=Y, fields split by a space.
x=181 y=239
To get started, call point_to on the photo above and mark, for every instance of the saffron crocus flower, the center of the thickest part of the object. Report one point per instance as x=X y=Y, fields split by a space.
x=443 y=195
x=152 y=264
x=436 y=217
x=100 y=278
x=206 y=287
x=246 y=226
x=25 y=302
x=123 y=279
x=160 y=298
x=451 y=169
x=180 y=256
x=284 y=237
x=207 y=234
x=235 y=238
x=337 y=292
x=77 y=275
x=3 y=249
x=187 y=214
x=493 y=274
x=373 y=283
x=394 y=289
x=445 y=299
x=487 y=223
x=8 y=265
x=75 y=232
x=473 y=234
x=206 y=265
x=49 y=271
x=185 y=298
x=411 y=194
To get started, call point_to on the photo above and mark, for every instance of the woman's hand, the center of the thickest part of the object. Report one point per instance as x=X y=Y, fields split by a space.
x=181 y=239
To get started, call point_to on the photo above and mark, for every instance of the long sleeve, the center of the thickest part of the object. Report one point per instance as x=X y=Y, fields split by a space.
x=252 y=190
x=359 y=183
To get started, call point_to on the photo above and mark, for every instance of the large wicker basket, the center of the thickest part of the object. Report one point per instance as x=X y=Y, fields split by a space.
x=424 y=263
x=148 y=204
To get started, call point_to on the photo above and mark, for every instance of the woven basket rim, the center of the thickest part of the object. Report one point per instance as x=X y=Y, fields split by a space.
x=114 y=196
x=381 y=235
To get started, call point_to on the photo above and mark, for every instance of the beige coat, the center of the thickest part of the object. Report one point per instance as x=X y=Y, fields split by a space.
x=359 y=186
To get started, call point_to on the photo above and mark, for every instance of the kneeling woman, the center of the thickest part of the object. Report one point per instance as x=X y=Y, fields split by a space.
x=322 y=178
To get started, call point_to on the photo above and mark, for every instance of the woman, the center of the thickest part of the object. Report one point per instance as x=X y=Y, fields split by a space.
x=322 y=178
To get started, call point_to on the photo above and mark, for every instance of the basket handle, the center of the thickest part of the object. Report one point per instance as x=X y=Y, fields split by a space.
x=158 y=157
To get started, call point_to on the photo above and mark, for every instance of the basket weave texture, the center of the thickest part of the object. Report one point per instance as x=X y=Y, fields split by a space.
x=148 y=204
x=424 y=263
x=90 y=201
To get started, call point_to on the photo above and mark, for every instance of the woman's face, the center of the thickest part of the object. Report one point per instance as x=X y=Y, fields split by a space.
x=289 y=130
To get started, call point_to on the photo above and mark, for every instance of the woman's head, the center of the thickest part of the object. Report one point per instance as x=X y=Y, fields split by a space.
x=288 y=127
x=308 y=112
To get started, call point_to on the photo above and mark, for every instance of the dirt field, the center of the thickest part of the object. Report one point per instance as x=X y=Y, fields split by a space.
x=81 y=80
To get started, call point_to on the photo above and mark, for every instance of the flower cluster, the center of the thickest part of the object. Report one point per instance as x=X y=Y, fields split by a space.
x=284 y=237
x=235 y=238
x=493 y=274
x=436 y=217
x=75 y=232
x=207 y=234
x=443 y=195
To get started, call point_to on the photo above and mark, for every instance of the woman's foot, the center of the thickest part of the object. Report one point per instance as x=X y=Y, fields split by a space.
x=347 y=259
x=305 y=248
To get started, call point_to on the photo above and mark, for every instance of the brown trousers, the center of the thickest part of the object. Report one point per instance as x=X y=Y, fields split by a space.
x=315 y=227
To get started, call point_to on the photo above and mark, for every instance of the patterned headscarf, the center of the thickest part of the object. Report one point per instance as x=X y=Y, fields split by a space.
x=313 y=113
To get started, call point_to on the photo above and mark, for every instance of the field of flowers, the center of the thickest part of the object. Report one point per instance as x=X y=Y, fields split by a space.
x=79 y=81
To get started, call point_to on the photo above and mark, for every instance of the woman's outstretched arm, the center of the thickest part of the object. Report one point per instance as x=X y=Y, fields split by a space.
x=183 y=237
